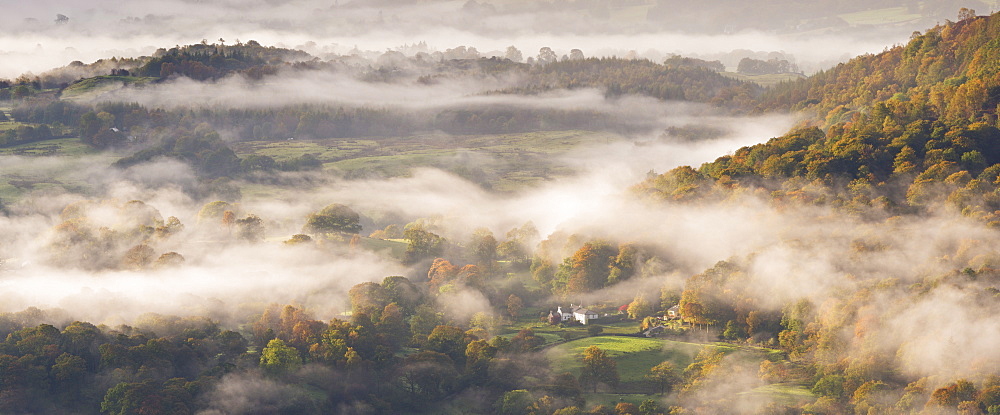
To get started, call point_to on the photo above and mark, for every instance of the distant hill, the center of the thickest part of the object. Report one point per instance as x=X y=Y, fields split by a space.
x=203 y=61
x=677 y=79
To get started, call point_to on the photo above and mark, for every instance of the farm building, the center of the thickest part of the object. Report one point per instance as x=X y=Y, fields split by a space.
x=674 y=312
x=575 y=313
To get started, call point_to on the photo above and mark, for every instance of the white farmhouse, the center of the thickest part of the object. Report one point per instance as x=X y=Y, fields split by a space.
x=577 y=313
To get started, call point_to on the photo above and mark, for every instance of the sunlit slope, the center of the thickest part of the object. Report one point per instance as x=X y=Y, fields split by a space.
x=904 y=131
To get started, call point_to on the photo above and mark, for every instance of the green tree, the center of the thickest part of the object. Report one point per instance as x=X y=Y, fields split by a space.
x=733 y=331
x=335 y=218
x=515 y=402
x=484 y=247
x=131 y=398
x=426 y=377
x=449 y=340
x=421 y=244
x=424 y=320
x=649 y=407
x=639 y=308
x=278 y=359
x=830 y=385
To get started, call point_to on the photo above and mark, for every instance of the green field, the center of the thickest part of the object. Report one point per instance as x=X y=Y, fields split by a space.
x=501 y=162
x=70 y=147
x=634 y=355
x=93 y=87
x=9 y=125
x=21 y=176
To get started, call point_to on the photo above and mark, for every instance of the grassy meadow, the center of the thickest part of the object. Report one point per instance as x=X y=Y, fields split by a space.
x=64 y=172
x=634 y=355
x=501 y=162
x=91 y=88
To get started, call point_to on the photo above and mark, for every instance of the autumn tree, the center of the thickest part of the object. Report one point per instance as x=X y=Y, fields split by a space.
x=664 y=375
x=138 y=257
x=525 y=340
x=626 y=408
x=513 y=54
x=546 y=56
x=966 y=13
x=588 y=268
x=298 y=239
x=368 y=297
x=598 y=368
x=441 y=273
x=250 y=228
x=392 y=325
x=514 y=306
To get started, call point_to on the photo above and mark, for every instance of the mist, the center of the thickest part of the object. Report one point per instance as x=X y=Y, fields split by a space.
x=34 y=41
x=913 y=292
x=222 y=277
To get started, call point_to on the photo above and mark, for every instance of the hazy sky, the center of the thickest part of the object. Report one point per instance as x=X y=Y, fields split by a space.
x=33 y=40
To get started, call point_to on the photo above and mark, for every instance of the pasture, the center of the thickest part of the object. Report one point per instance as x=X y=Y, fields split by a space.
x=500 y=162
x=634 y=355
